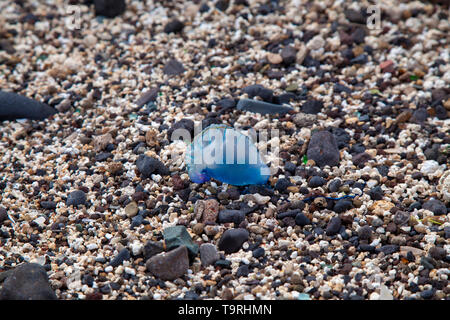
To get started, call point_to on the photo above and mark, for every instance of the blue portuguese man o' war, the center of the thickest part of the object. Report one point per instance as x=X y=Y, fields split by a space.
x=227 y=155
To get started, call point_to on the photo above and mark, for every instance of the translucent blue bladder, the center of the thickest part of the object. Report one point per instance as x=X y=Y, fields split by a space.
x=227 y=155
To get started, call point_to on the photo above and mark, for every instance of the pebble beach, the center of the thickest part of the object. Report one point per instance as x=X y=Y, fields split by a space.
x=96 y=202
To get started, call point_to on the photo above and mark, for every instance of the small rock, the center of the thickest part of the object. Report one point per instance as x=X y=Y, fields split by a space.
x=389 y=249
x=206 y=211
x=102 y=141
x=429 y=167
x=28 y=281
x=365 y=233
x=152 y=248
x=178 y=236
x=312 y=106
x=274 y=58
x=14 y=106
x=258 y=253
x=123 y=255
x=435 y=206
x=376 y=193
x=148 y=96
x=48 y=204
x=208 y=254
x=282 y=184
x=316 y=181
x=76 y=198
x=169 y=266
x=361 y=158
x=437 y=253
x=304 y=120
x=242 y=271
x=342 y=205
x=323 y=149
x=174 y=26
x=427 y=294
x=262 y=107
x=316 y=43
x=173 y=68
x=302 y=220
x=334 y=185
x=401 y=218
x=148 y=166
x=333 y=226
x=186 y=124
x=232 y=240
x=289 y=55
x=109 y=8
x=355 y=16
x=131 y=209
x=235 y=216
x=257 y=90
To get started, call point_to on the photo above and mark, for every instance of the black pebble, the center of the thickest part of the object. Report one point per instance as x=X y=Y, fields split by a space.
x=316 y=181
x=342 y=206
x=302 y=220
x=312 y=106
x=365 y=232
x=376 y=193
x=174 y=26
x=173 y=68
x=242 y=271
x=123 y=255
x=334 y=185
x=148 y=165
x=333 y=226
x=75 y=198
x=282 y=184
x=258 y=253
x=109 y=8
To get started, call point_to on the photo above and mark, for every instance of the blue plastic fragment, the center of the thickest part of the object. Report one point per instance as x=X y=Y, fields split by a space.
x=225 y=154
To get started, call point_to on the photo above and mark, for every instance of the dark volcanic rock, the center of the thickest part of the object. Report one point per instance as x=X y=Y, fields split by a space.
x=152 y=248
x=323 y=149
x=312 y=106
x=174 y=26
x=75 y=198
x=186 y=124
x=282 y=184
x=109 y=8
x=435 y=206
x=257 y=90
x=302 y=220
x=316 y=181
x=289 y=55
x=232 y=240
x=341 y=136
x=376 y=193
x=14 y=106
x=235 y=216
x=148 y=165
x=28 y=281
x=170 y=265
x=361 y=158
x=148 y=96
x=262 y=107
x=173 y=68
x=333 y=226
x=123 y=255
x=342 y=205
x=355 y=16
